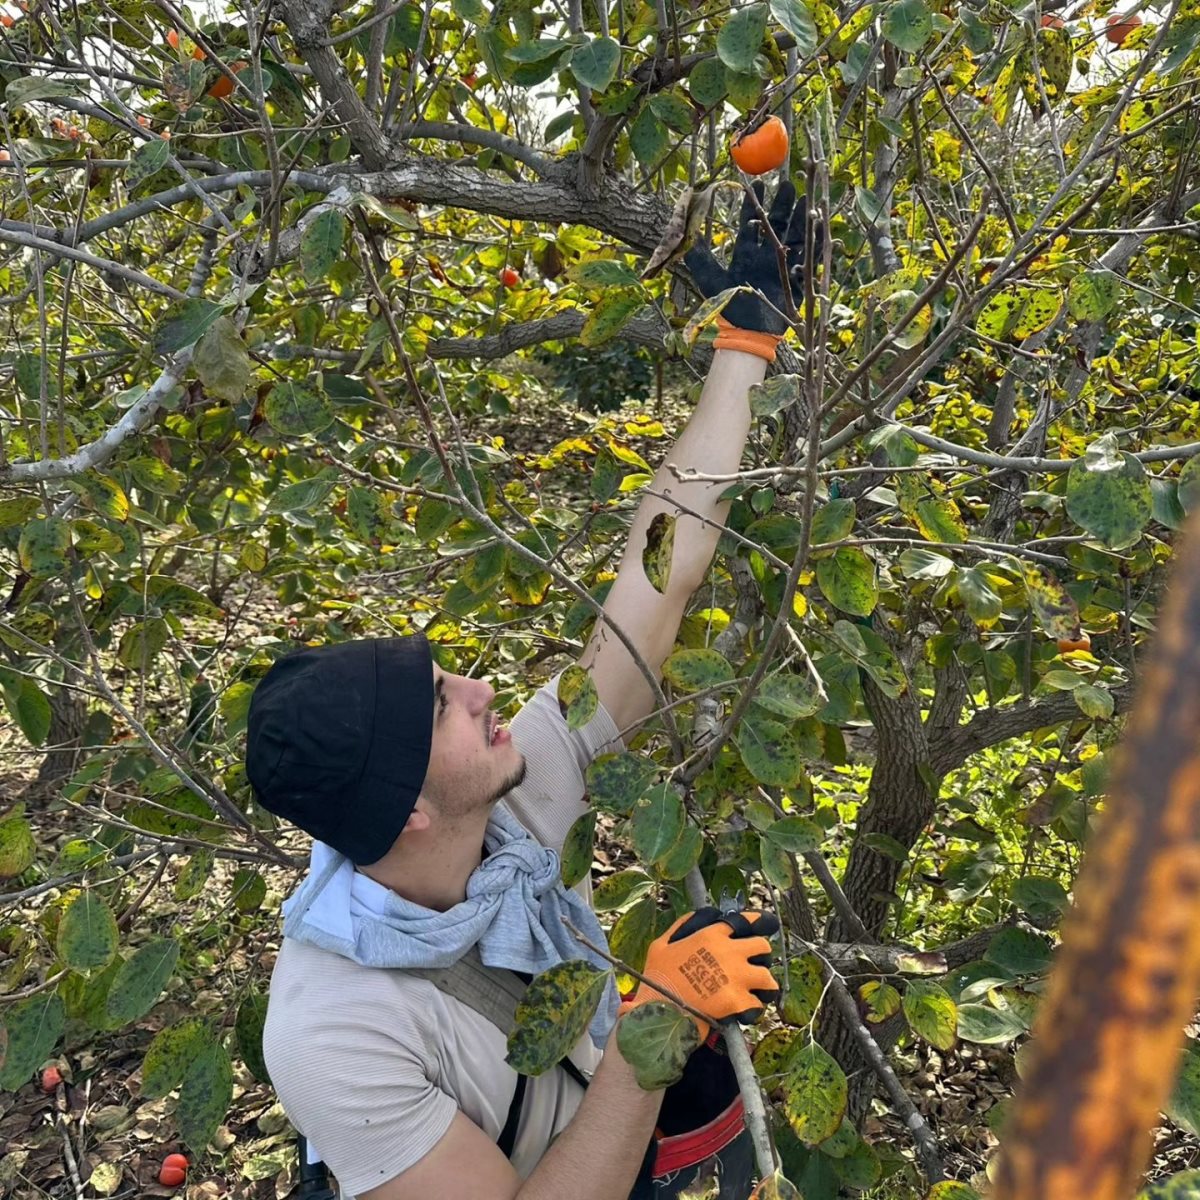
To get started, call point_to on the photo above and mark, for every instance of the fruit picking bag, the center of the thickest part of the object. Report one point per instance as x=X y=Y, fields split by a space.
x=701 y=1140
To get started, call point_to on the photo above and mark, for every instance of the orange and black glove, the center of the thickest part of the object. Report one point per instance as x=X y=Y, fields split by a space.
x=718 y=962
x=754 y=322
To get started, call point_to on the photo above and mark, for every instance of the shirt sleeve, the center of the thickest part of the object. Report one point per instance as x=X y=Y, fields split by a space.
x=364 y=1101
x=551 y=797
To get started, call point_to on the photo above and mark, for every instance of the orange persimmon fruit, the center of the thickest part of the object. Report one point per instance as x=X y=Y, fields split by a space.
x=761 y=148
x=1083 y=642
x=1119 y=26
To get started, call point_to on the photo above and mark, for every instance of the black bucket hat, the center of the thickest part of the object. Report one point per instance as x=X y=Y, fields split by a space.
x=338 y=740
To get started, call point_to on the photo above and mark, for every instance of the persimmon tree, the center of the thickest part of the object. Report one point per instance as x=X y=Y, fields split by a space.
x=274 y=278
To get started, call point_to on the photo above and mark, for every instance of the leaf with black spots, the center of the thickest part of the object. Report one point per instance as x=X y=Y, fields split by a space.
x=170 y=1053
x=615 y=781
x=34 y=1026
x=815 y=1094
x=577 y=696
x=656 y=1040
x=658 y=551
x=205 y=1096
x=578 y=849
x=553 y=1015
x=248 y=1027
x=141 y=979
x=87 y=933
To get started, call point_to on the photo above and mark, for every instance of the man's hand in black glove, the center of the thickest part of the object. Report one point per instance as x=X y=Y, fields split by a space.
x=755 y=262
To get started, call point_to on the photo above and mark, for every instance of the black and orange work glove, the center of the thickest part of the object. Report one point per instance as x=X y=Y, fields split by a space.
x=717 y=962
x=754 y=322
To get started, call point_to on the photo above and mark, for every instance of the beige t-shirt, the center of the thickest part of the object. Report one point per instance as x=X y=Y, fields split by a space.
x=371 y=1063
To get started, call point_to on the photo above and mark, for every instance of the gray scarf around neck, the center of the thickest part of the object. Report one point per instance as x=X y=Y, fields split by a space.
x=512 y=912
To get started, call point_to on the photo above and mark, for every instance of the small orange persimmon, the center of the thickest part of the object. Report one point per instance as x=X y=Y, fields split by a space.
x=761 y=148
x=1119 y=26
x=1083 y=642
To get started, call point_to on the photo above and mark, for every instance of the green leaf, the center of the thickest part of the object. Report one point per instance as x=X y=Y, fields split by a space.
x=907 y=24
x=34 y=1026
x=815 y=1094
x=87 y=933
x=610 y=315
x=621 y=889
x=30 y=709
x=321 y=244
x=170 y=1054
x=987 y=1026
x=975 y=591
x=603 y=272
x=1108 y=494
x=777 y=864
x=615 y=781
x=141 y=643
x=204 y=1096
x=918 y=563
x=790 y=696
x=187 y=327
x=885 y=844
x=248 y=890
x=248 y=1028
x=860 y=1168
x=17 y=847
x=682 y=856
x=695 y=670
x=44 y=545
x=1017 y=311
x=940 y=521
x=577 y=696
x=677 y=114
x=1185 y=1185
x=577 y=851
x=308 y=494
x=1095 y=702
x=797 y=835
x=833 y=522
x=28 y=88
x=1092 y=295
x=649 y=138
x=630 y=939
x=880 y=1000
x=847 y=581
x=223 y=362
x=1189 y=484
x=294 y=410
x=657 y=822
x=194 y=874
x=553 y=1014
x=657 y=1039
x=658 y=551
x=740 y=37
x=949 y=1190
x=148 y=159
x=805 y=988
x=931 y=1013
x=596 y=62
x=707 y=82
x=1052 y=605
x=17 y=510
x=769 y=751
x=797 y=19
x=1019 y=951
x=1184 y=1106
x=140 y=980
x=774 y=395
x=1041 y=897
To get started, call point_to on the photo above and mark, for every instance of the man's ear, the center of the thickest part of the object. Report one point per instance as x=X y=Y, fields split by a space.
x=418 y=820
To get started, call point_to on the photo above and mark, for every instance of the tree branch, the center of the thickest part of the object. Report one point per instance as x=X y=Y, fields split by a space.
x=1000 y=724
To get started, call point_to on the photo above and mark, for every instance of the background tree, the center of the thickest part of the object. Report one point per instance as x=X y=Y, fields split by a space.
x=280 y=283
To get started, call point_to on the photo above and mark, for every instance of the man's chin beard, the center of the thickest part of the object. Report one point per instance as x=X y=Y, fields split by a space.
x=514 y=781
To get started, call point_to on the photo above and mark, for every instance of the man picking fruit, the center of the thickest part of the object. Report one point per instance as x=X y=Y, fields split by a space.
x=437 y=837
